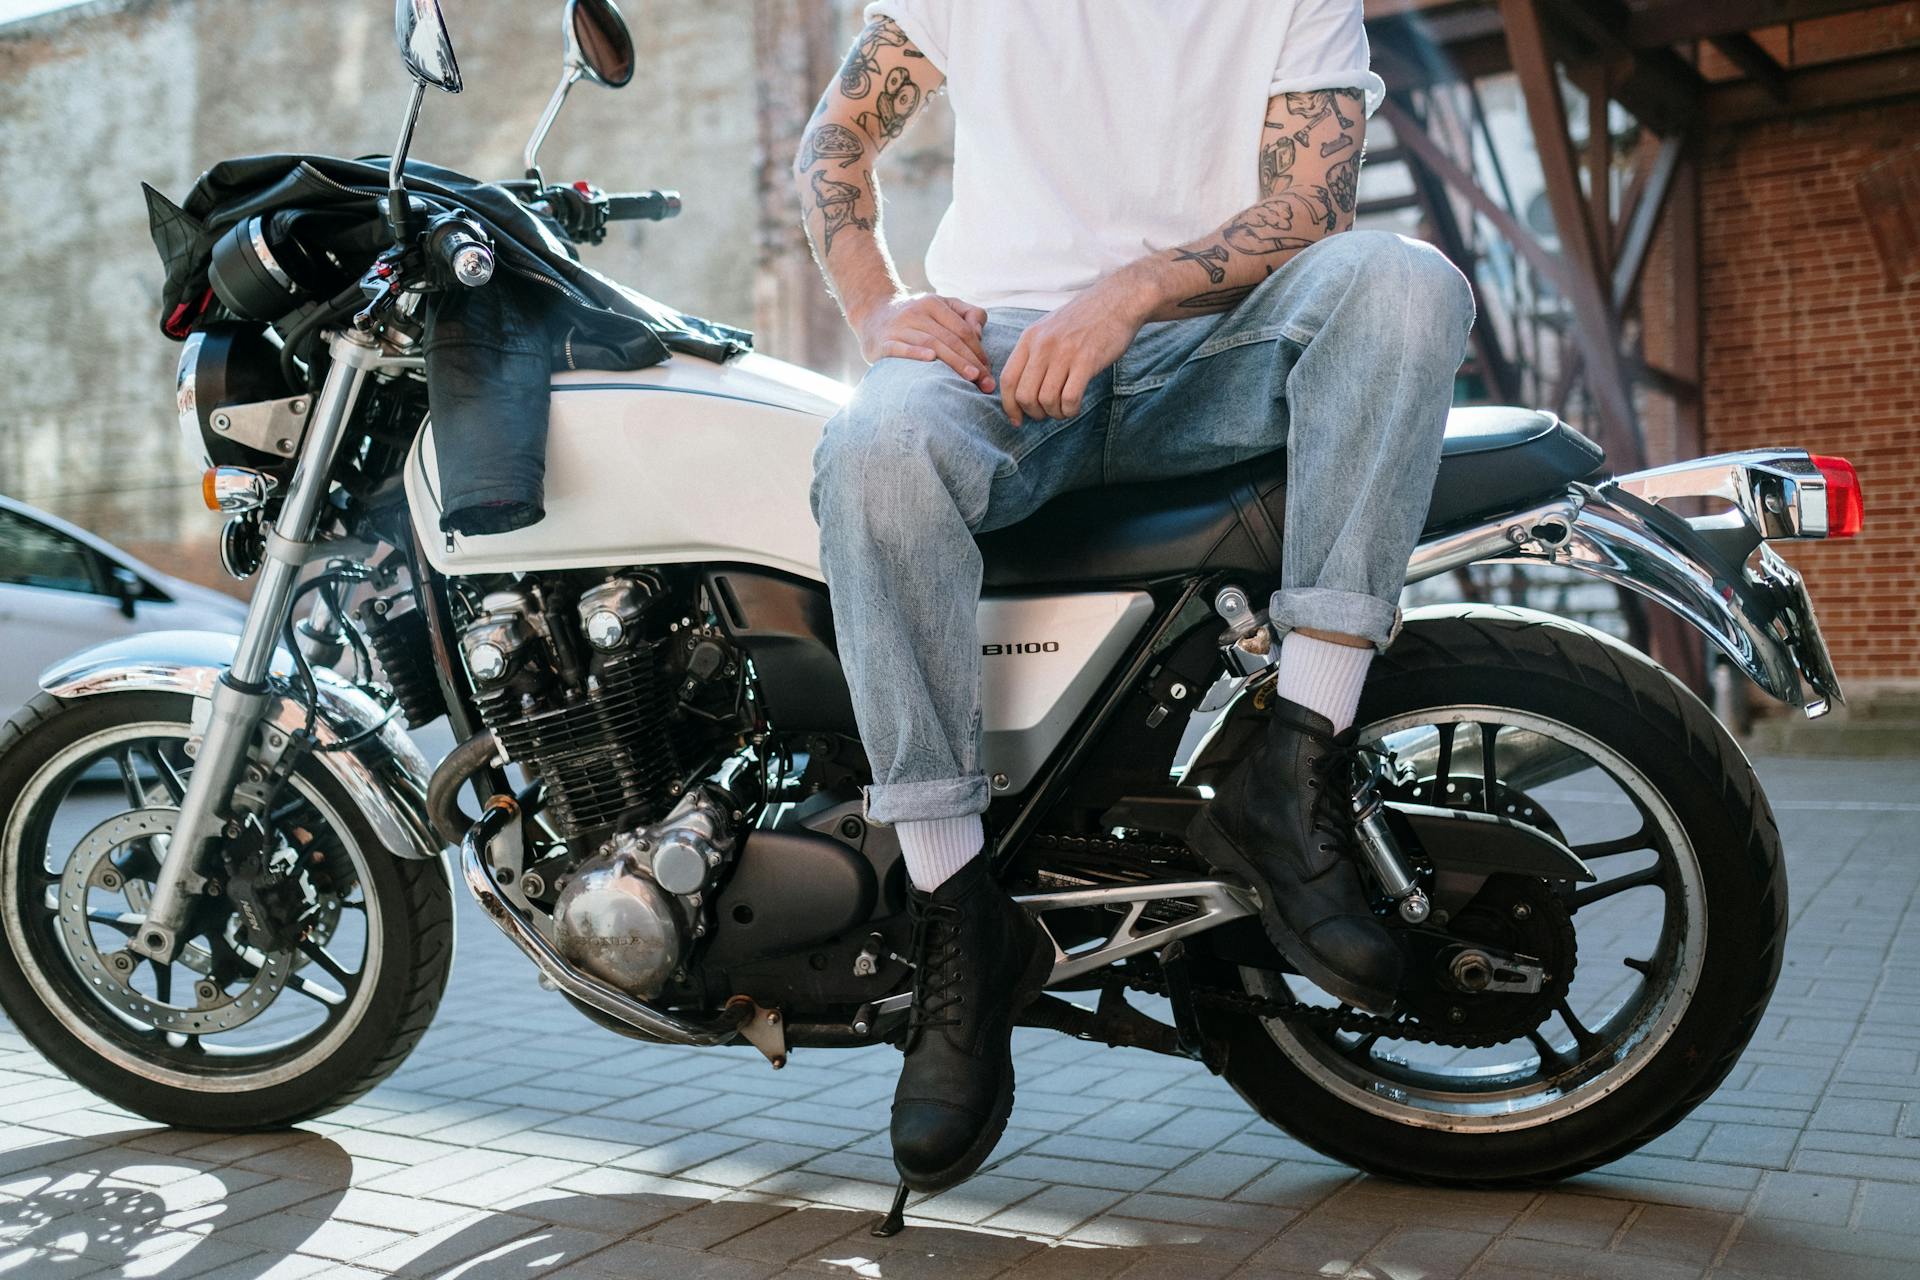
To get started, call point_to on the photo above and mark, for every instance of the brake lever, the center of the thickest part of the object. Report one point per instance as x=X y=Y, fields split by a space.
x=383 y=286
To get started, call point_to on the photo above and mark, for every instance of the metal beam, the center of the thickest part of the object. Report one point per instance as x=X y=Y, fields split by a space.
x=1830 y=86
x=1595 y=327
x=1667 y=22
x=1744 y=52
x=1412 y=136
x=1599 y=160
x=1642 y=221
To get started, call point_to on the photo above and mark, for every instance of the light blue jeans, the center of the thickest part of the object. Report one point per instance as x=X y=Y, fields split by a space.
x=1345 y=357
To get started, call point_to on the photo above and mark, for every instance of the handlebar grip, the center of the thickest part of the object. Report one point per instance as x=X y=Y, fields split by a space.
x=472 y=264
x=463 y=250
x=643 y=206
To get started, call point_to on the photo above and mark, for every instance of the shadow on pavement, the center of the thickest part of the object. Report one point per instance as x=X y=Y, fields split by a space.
x=155 y=1202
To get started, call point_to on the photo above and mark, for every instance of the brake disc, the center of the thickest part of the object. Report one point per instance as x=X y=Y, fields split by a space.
x=110 y=974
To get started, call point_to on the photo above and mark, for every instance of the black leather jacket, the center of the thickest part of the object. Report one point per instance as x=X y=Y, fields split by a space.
x=488 y=351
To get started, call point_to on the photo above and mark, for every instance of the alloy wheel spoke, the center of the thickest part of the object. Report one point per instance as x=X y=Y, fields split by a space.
x=1587 y=896
x=1552 y=1061
x=314 y=991
x=1443 y=767
x=170 y=778
x=1489 y=737
x=130 y=778
x=127 y=922
x=1586 y=1039
x=163 y=982
x=1642 y=967
x=1633 y=843
x=332 y=967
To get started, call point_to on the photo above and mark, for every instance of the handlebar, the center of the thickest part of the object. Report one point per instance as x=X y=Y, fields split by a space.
x=642 y=206
x=461 y=249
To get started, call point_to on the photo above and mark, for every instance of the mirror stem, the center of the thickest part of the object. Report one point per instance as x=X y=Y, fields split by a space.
x=568 y=78
x=399 y=211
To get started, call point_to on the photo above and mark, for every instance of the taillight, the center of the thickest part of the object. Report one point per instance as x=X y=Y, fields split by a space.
x=1846 y=506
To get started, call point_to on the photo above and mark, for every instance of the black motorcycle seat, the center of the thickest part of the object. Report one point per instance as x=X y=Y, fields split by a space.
x=1494 y=460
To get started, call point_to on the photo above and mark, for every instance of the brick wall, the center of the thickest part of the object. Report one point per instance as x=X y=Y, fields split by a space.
x=1808 y=343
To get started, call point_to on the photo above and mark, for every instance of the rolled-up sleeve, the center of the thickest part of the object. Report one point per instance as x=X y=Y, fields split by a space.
x=1326 y=48
x=928 y=23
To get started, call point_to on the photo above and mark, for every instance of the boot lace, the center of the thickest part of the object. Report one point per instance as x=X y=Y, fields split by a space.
x=1345 y=784
x=936 y=970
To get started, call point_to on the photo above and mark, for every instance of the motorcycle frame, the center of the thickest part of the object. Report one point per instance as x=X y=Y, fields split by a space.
x=1715 y=571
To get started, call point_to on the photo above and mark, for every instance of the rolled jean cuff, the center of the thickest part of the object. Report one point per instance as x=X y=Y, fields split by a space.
x=891 y=802
x=1347 y=613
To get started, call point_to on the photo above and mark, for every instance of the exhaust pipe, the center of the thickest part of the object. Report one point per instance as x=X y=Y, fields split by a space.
x=647 y=1021
x=443 y=788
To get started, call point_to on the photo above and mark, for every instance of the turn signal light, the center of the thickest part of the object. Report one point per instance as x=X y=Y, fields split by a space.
x=235 y=489
x=1846 y=504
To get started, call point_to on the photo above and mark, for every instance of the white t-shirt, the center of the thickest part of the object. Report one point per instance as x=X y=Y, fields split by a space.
x=1090 y=133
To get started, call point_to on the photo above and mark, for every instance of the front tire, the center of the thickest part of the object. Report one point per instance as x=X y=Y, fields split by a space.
x=370 y=1018
x=1727 y=886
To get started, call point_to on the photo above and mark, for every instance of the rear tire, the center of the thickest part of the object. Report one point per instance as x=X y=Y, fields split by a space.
x=414 y=950
x=1535 y=663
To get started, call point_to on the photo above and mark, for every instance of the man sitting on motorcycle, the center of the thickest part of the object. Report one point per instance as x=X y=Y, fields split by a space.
x=1147 y=271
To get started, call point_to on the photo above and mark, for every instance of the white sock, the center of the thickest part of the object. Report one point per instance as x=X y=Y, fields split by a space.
x=1322 y=676
x=935 y=848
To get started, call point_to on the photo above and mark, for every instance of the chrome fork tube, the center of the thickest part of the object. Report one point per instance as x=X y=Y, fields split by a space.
x=240 y=695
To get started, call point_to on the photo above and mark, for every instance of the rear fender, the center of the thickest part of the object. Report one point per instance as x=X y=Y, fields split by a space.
x=384 y=772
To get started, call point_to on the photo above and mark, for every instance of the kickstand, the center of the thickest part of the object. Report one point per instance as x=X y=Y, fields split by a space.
x=896 y=1220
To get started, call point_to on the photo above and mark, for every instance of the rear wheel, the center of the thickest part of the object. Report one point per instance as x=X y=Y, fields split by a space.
x=231 y=1034
x=1659 y=970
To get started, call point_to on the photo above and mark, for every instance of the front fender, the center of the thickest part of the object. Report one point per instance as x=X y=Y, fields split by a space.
x=384 y=772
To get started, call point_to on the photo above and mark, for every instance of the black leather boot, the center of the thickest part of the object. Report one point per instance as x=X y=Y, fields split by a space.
x=1284 y=820
x=980 y=959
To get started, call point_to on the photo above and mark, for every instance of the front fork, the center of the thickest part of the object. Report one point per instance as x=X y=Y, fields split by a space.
x=240 y=695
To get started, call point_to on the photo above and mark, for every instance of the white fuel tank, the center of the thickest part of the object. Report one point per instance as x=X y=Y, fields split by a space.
x=687 y=461
x=692 y=462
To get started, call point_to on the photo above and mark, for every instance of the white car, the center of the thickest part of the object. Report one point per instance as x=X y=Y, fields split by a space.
x=63 y=590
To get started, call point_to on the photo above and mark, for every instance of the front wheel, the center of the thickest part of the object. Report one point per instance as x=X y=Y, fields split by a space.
x=1658 y=970
x=244 y=1029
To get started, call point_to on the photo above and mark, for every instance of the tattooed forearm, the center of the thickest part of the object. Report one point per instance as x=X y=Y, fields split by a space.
x=1309 y=171
x=839 y=206
x=1217 y=300
x=1214 y=258
x=881 y=85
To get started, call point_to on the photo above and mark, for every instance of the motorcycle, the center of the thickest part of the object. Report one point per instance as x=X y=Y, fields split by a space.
x=224 y=896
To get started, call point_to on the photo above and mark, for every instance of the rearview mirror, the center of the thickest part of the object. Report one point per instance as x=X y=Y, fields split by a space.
x=421 y=33
x=127 y=588
x=598 y=41
x=599 y=48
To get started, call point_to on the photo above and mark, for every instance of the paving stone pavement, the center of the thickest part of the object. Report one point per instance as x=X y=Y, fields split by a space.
x=520 y=1140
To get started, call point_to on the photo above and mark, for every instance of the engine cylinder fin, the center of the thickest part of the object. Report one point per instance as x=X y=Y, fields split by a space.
x=604 y=754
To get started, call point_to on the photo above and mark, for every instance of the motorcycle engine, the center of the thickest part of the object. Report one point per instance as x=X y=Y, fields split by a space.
x=628 y=915
x=615 y=693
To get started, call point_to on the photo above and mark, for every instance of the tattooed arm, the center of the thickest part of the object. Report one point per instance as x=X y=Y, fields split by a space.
x=1309 y=171
x=879 y=88
x=1309 y=168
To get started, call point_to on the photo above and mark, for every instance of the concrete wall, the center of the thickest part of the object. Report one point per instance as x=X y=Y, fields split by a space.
x=95 y=100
